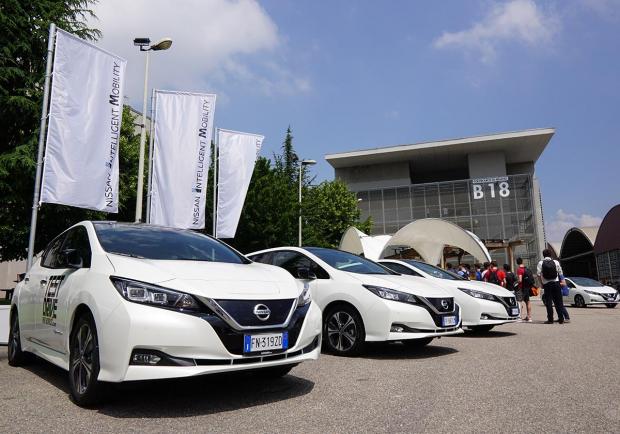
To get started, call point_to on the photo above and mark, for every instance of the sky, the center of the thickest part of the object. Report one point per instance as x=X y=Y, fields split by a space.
x=348 y=75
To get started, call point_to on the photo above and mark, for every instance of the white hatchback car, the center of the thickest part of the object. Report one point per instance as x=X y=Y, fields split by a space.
x=113 y=302
x=363 y=301
x=583 y=291
x=484 y=305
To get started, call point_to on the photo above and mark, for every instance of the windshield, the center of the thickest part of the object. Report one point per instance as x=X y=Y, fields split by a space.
x=584 y=281
x=153 y=242
x=433 y=271
x=345 y=261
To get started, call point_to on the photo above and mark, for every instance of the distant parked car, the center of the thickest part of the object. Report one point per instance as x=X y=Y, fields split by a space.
x=583 y=291
x=363 y=301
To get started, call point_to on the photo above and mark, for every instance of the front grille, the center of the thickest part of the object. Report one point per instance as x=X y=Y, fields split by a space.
x=442 y=304
x=609 y=296
x=510 y=301
x=437 y=316
x=233 y=339
x=242 y=311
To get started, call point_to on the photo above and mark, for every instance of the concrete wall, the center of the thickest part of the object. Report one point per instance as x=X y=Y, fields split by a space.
x=486 y=164
x=375 y=176
x=520 y=168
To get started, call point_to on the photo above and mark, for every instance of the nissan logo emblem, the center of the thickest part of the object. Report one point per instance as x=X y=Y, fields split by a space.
x=262 y=312
x=445 y=304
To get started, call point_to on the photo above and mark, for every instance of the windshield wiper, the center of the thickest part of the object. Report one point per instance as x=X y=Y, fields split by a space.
x=131 y=255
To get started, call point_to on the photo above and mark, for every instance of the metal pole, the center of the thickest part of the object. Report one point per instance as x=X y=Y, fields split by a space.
x=300 y=167
x=37 y=180
x=142 y=140
x=215 y=145
x=149 y=175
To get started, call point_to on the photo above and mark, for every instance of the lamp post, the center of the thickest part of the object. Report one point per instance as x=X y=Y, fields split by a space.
x=145 y=45
x=301 y=165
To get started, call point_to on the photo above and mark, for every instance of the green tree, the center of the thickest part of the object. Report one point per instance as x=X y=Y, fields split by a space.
x=329 y=209
x=24 y=32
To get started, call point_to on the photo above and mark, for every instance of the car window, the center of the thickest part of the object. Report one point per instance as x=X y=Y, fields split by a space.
x=77 y=239
x=345 y=261
x=51 y=256
x=291 y=261
x=434 y=271
x=160 y=243
x=399 y=268
x=264 y=258
x=584 y=281
x=570 y=284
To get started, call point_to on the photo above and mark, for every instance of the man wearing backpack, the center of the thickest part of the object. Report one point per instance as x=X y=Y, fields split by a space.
x=526 y=281
x=495 y=275
x=552 y=278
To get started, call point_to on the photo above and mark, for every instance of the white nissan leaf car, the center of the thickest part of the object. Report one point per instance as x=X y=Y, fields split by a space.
x=113 y=302
x=484 y=305
x=583 y=291
x=363 y=301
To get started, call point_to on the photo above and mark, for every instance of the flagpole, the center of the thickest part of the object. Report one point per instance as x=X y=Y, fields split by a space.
x=215 y=148
x=149 y=186
x=37 y=180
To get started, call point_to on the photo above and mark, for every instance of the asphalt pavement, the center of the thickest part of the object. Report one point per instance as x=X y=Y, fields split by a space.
x=523 y=377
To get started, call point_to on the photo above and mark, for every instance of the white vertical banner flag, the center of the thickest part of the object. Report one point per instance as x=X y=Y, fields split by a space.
x=86 y=106
x=181 y=155
x=237 y=156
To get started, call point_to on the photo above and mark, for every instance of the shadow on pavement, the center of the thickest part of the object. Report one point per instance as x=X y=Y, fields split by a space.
x=392 y=351
x=489 y=334
x=183 y=397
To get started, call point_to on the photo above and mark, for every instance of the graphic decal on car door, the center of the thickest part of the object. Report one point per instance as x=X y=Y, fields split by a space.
x=50 y=300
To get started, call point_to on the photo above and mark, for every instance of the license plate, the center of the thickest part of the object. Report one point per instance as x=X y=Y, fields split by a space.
x=266 y=342
x=515 y=311
x=448 y=321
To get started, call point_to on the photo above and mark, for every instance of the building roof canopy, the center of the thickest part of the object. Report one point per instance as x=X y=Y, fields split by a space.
x=608 y=237
x=518 y=147
x=578 y=242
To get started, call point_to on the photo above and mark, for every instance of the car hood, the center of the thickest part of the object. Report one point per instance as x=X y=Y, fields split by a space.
x=409 y=284
x=210 y=279
x=486 y=287
x=598 y=289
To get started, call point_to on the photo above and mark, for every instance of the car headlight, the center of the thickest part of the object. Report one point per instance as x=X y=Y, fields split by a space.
x=153 y=295
x=391 y=294
x=592 y=292
x=305 y=297
x=478 y=294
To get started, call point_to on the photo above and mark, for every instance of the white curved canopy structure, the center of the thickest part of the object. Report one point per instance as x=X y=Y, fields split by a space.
x=427 y=236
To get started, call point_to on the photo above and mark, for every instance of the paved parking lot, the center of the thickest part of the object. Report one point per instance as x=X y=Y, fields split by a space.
x=517 y=378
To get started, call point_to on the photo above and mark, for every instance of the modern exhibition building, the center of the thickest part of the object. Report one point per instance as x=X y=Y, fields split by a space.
x=485 y=184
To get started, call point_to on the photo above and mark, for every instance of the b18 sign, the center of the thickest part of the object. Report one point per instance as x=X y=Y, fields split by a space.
x=493 y=187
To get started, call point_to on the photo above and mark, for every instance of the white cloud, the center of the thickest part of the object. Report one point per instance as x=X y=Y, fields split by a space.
x=515 y=20
x=214 y=43
x=563 y=221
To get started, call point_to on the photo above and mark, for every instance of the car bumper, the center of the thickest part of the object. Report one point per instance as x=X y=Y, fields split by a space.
x=416 y=322
x=486 y=312
x=133 y=327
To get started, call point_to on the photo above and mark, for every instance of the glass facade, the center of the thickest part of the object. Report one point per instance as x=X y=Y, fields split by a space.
x=495 y=209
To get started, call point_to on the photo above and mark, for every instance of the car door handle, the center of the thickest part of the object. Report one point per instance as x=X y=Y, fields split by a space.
x=26 y=279
x=58 y=332
x=43 y=282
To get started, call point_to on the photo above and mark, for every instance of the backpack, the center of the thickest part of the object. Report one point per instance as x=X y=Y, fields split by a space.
x=548 y=269
x=527 y=279
x=512 y=283
x=493 y=277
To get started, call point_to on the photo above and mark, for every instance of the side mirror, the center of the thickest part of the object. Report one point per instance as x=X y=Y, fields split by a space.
x=72 y=259
x=305 y=273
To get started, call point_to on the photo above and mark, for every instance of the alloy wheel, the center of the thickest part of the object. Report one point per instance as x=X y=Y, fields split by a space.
x=579 y=301
x=341 y=331
x=14 y=342
x=82 y=364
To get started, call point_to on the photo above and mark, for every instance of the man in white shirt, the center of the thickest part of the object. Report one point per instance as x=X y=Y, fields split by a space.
x=552 y=277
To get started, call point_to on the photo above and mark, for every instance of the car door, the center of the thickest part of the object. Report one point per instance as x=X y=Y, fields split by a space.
x=572 y=290
x=291 y=261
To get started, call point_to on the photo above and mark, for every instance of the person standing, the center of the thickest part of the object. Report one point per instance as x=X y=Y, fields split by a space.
x=550 y=272
x=478 y=272
x=526 y=281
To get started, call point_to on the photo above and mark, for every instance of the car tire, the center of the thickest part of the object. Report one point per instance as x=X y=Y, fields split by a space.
x=579 y=301
x=417 y=343
x=275 y=371
x=84 y=366
x=16 y=356
x=481 y=328
x=611 y=305
x=343 y=331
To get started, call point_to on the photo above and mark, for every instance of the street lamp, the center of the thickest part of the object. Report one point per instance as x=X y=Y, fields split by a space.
x=301 y=165
x=144 y=44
